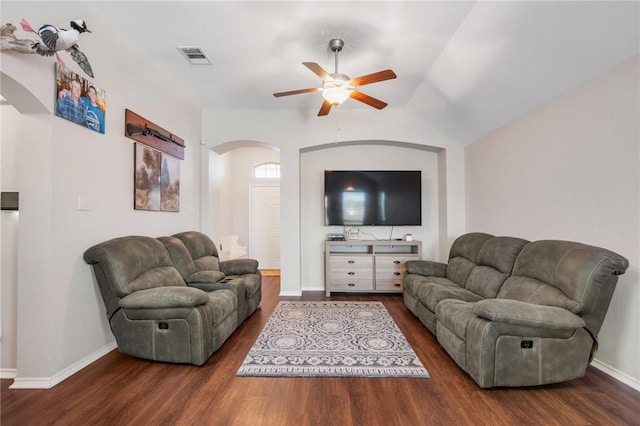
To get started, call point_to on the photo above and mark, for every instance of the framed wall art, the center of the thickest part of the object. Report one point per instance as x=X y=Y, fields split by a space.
x=80 y=101
x=156 y=180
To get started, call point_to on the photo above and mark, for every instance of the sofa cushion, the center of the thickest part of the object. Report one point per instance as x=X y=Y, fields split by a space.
x=500 y=253
x=495 y=262
x=129 y=264
x=207 y=263
x=164 y=297
x=179 y=255
x=459 y=269
x=198 y=244
x=455 y=315
x=431 y=295
x=164 y=276
x=202 y=249
x=252 y=284
x=485 y=281
x=531 y=290
x=469 y=245
x=222 y=304
x=576 y=270
x=464 y=255
x=413 y=284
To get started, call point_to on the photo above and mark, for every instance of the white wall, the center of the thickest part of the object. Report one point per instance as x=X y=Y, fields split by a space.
x=61 y=324
x=571 y=170
x=361 y=157
x=295 y=131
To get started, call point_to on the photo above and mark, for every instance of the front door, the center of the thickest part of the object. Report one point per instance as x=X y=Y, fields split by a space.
x=265 y=226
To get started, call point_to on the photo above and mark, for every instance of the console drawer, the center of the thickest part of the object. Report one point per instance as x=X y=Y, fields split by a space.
x=351 y=263
x=356 y=285
x=390 y=272
x=350 y=273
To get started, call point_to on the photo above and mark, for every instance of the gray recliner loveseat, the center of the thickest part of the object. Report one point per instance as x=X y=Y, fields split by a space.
x=512 y=312
x=196 y=257
x=164 y=305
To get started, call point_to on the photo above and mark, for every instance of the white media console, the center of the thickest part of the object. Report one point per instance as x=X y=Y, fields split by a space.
x=367 y=266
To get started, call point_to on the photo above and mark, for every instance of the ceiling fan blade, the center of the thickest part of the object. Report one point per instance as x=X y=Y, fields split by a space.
x=317 y=69
x=297 y=92
x=373 y=78
x=369 y=100
x=325 y=108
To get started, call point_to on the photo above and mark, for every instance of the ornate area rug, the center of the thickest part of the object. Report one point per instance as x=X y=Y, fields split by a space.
x=344 y=339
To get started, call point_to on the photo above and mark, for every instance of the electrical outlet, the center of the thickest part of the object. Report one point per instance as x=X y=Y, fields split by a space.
x=84 y=202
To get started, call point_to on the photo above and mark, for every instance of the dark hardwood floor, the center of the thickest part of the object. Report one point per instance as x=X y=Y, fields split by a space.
x=119 y=389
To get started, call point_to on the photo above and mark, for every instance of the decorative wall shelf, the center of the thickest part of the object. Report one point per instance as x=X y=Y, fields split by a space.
x=144 y=131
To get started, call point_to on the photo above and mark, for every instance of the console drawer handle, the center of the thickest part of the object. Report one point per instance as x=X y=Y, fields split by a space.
x=396 y=273
x=351 y=261
x=351 y=273
x=397 y=262
x=396 y=285
x=351 y=285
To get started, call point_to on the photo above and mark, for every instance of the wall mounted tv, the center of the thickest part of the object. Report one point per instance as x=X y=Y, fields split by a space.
x=378 y=198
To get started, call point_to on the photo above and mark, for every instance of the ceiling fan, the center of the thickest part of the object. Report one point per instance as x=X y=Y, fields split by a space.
x=336 y=87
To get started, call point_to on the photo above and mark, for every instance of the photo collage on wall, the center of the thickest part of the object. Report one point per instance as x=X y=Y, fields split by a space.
x=79 y=100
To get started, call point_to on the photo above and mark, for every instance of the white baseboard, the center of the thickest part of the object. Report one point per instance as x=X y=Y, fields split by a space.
x=290 y=293
x=7 y=373
x=49 y=382
x=617 y=374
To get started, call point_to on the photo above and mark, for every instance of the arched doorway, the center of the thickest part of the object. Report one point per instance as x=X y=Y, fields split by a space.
x=244 y=206
x=17 y=108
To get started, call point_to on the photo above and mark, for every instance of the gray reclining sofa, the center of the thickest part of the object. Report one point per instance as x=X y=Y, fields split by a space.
x=512 y=312
x=170 y=299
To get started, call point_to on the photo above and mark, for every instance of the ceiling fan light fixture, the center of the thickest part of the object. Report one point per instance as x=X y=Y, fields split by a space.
x=337 y=89
x=336 y=95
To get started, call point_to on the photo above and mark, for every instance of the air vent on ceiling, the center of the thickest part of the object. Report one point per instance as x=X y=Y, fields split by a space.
x=195 y=55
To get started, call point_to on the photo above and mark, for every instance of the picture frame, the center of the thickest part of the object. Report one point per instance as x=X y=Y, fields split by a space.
x=79 y=100
x=156 y=180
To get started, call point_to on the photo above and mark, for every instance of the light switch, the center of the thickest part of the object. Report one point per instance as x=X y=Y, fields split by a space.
x=84 y=202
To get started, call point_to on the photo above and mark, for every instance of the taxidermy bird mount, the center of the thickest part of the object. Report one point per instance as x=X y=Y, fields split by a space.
x=51 y=40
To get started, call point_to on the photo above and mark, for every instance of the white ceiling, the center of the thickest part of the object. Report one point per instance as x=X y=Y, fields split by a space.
x=467 y=67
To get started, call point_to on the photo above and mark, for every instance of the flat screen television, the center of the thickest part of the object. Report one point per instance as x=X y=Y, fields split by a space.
x=373 y=197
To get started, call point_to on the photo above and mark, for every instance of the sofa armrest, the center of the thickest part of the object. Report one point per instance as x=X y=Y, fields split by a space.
x=164 y=297
x=237 y=285
x=204 y=277
x=525 y=314
x=239 y=266
x=426 y=268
